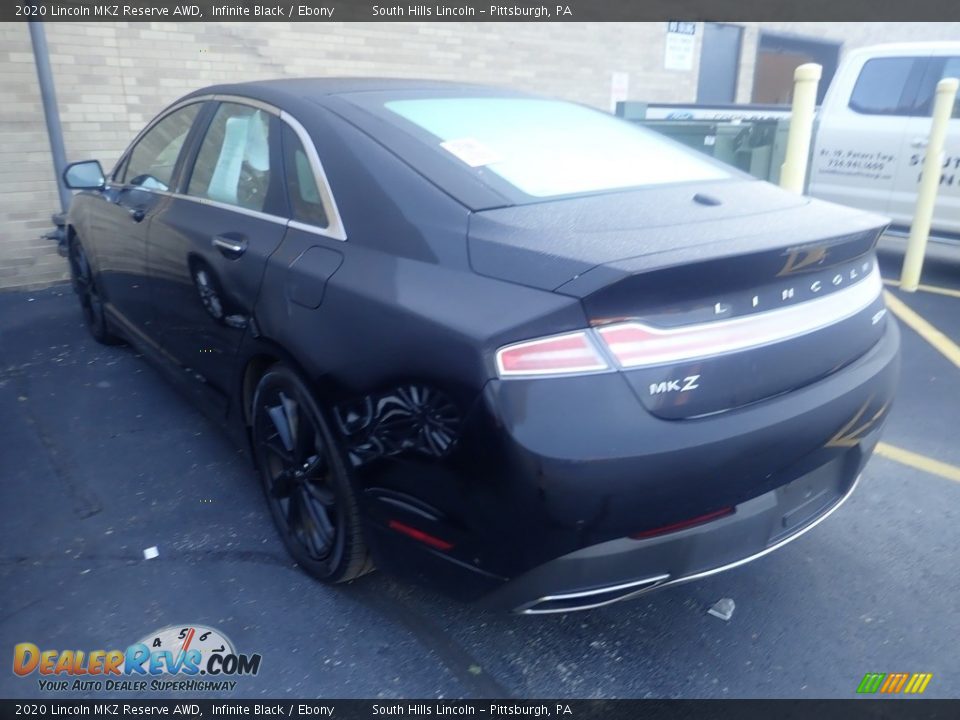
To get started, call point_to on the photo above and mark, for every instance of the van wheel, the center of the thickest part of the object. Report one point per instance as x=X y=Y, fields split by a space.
x=305 y=479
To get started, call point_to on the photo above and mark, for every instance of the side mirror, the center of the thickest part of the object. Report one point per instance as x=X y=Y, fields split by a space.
x=84 y=175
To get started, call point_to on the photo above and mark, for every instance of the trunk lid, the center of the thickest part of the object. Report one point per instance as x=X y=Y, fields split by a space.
x=793 y=279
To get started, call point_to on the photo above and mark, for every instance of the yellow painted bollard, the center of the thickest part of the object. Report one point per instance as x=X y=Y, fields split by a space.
x=929 y=184
x=793 y=172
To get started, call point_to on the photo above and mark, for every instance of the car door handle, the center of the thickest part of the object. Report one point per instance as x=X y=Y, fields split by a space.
x=137 y=214
x=230 y=247
x=920 y=142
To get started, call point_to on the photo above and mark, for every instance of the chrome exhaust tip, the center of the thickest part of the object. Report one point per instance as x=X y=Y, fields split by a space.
x=589 y=599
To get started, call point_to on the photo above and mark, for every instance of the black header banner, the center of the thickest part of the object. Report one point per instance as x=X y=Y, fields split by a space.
x=474 y=10
x=381 y=709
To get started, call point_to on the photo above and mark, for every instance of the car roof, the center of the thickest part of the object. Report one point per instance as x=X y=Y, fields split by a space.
x=356 y=100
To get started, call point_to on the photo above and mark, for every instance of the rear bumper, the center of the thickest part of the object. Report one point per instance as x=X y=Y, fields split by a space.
x=823 y=434
x=626 y=568
x=553 y=477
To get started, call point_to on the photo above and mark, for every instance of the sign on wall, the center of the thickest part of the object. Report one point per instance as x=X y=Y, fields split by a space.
x=619 y=88
x=681 y=41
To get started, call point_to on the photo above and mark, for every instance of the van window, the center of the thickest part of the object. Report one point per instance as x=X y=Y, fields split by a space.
x=937 y=69
x=951 y=68
x=881 y=85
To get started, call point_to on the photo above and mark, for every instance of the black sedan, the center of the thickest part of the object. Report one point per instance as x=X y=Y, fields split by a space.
x=532 y=354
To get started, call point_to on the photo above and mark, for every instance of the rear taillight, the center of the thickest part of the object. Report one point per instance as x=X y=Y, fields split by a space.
x=556 y=355
x=633 y=344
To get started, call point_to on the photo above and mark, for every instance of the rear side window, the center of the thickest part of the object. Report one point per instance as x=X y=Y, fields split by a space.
x=233 y=165
x=548 y=148
x=153 y=158
x=881 y=87
x=306 y=203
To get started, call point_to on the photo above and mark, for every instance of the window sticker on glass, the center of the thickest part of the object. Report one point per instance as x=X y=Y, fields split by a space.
x=473 y=152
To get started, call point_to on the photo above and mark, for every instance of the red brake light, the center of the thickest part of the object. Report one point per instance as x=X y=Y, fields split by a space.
x=425 y=538
x=683 y=524
x=557 y=355
x=634 y=344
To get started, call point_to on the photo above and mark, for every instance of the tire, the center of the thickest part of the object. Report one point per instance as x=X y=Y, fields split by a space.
x=305 y=479
x=85 y=286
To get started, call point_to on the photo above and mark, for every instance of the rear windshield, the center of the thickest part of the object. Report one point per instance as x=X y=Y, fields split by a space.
x=548 y=148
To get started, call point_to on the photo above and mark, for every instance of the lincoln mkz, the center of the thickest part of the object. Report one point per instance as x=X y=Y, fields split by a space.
x=527 y=352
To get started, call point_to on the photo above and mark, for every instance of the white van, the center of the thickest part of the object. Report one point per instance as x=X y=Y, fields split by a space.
x=873 y=128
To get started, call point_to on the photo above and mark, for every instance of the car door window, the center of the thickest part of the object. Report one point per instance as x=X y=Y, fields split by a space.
x=233 y=165
x=306 y=203
x=151 y=163
x=882 y=85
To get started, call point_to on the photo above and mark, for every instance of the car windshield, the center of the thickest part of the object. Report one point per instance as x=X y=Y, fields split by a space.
x=547 y=148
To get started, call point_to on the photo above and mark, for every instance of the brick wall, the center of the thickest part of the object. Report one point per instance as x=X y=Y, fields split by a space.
x=113 y=77
x=27 y=190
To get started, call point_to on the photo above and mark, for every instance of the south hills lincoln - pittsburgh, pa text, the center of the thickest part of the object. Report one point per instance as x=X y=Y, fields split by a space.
x=540 y=12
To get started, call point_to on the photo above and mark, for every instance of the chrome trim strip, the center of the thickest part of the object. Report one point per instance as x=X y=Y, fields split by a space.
x=775 y=546
x=530 y=608
x=160 y=116
x=234 y=246
x=140 y=188
x=527 y=609
x=783 y=324
x=334 y=229
x=235 y=208
x=315 y=229
x=240 y=100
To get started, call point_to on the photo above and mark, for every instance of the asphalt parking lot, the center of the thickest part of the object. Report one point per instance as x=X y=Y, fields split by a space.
x=100 y=459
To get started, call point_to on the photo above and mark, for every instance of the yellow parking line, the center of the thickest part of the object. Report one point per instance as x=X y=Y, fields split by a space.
x=928 y=332
x=928 y=288
x=920 y=462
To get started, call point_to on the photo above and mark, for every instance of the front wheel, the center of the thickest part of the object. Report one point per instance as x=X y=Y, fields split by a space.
x=305 y=479
x=85 y=285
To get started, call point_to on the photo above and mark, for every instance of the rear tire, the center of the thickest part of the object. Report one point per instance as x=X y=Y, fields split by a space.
x=305 y=479
x=91 y=303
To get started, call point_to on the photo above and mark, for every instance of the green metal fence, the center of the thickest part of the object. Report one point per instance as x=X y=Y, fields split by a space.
x=756 y=146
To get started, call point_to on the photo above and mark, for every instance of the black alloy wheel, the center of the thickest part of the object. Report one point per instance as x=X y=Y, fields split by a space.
x=85 y=285
x=305 y=479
